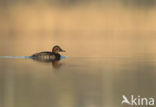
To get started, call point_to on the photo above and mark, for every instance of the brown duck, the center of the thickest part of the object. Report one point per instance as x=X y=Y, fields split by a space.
x=49 y=56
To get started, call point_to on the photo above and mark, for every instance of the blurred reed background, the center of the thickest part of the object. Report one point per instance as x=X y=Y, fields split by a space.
x=83 y=27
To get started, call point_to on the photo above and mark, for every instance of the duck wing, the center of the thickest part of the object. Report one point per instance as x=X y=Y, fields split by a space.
x=42 y=54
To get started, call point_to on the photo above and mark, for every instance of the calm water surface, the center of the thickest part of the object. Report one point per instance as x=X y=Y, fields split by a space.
x=75 y=81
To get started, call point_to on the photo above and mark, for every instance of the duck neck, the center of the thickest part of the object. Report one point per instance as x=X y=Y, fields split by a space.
x=57 y=56
x=55 y=52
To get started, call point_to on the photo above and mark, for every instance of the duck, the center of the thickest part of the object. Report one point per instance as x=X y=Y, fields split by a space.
x=49 y=56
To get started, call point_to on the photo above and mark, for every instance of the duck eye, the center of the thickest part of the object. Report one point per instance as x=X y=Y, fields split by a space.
x=56 y=49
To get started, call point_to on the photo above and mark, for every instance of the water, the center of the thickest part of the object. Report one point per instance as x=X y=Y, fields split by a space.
x=23 y=57
x=106 y=57
x=81 y=82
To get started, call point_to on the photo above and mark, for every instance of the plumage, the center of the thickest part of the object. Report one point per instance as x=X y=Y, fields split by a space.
x=48 y=56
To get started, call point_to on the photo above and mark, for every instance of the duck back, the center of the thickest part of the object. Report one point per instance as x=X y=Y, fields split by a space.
x=46 y=56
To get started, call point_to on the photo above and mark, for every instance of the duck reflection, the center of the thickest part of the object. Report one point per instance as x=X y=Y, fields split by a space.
x=55 y=63
x=50 y=57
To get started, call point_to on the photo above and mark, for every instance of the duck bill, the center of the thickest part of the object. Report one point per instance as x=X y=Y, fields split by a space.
x=62 y=50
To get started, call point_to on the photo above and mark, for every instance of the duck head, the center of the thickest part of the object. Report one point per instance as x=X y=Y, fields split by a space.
x=56 y=49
